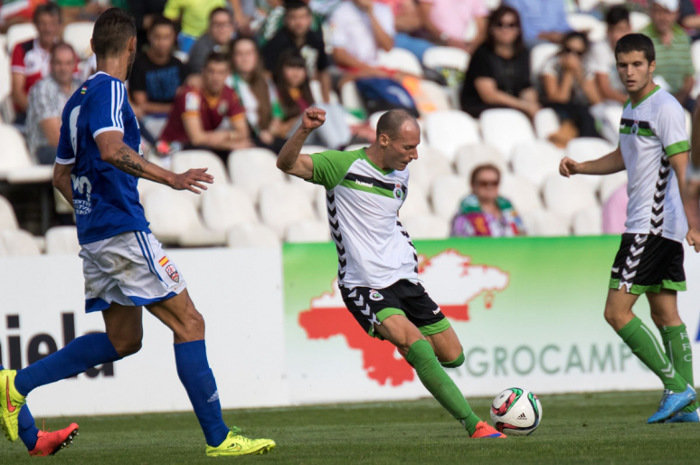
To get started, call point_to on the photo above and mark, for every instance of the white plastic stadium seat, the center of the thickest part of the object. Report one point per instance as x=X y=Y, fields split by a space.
x=308 y=231
x=446 y=57
x=18 y=243
x=695 y=56
x=639 y=20
x=524 y=195
x=252 y=235
x=225 y=206
x=535 y=160
x=565 y=196
x=436 y=95
x=544 y=223
x=427 y=227
x=317 y=93
x=400 y=60
x=62 y=240
x=546 y=122
x=449 y=130
x=313 y=149
x=78 y=35
x=588 y=148
x=594 y=28
x=8 y=219
x=250 y=169
x=416 y=202
x=282 y=205
x=469 y=156
x=19 y=33
x=431 y=162
x=14 y=152
x=350 y=97
x=188 y=159
x=446 y=194
x=504 y=128
x=610 y=184
x=5 y=75
x=539 y=54
x=588 y=221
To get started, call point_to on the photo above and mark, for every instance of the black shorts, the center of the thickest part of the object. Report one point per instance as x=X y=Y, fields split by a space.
x=648 y=263
x=372 y=306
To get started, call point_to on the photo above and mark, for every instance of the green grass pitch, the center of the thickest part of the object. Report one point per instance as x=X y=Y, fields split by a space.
x=603 y=428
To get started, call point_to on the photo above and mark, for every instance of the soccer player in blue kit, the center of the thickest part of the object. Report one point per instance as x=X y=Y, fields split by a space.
x=98 y=164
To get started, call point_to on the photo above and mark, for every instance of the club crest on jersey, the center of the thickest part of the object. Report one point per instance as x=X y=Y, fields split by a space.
x=635 y=127
x=172 y=272
x=223 y=108
x=375 y=295
x=398 y=192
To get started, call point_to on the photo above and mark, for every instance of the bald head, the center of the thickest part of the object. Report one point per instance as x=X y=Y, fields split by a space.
x=390 y=123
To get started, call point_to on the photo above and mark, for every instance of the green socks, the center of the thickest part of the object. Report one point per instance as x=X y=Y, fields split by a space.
x=680 y=353
x=422 y=358
x=645 y=346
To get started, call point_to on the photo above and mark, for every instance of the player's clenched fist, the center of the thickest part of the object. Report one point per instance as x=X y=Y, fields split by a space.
x=313 y=117
x=567 y=167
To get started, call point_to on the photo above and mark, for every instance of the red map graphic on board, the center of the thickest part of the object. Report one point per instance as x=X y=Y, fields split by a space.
x=451 y=280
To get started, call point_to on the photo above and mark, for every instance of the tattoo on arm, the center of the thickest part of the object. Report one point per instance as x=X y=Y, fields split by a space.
x=125 y=161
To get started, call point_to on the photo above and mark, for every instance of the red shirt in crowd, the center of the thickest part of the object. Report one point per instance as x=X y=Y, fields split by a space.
x=29 y=59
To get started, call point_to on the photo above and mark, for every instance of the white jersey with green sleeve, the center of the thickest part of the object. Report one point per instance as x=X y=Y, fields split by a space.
x=374 y=250
x=652 y=131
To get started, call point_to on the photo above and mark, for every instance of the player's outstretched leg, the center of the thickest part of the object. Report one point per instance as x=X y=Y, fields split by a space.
x=679 y=351
x=50 y=442
x=11 y=403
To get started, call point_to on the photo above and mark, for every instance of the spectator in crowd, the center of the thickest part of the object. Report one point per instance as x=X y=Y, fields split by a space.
x=257 y=93
x=31 y=59
x=82 y=10
x=155 y=78
x=672 y=45
x=689 y=18
x=144 y=12
x=484 y=212
x=499 y=71
x=217 y=39
x=542 y=20
x=193 y=17
x=447 y=22
x=243 y=13
x=601 y=59
x=295 y=96
x=17 y=11
x=274 y=16
x=297 y=35
x=46 y=101
x=210 y=117
x=569 y=89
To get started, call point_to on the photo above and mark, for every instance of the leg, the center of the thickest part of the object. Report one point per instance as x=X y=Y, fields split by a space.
x=447 y=348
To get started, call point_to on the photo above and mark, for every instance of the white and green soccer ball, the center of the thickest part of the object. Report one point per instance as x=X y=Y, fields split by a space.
x=516 y=411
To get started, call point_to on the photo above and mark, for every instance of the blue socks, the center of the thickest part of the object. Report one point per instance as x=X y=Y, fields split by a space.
x=198 y=379
x=79 y=355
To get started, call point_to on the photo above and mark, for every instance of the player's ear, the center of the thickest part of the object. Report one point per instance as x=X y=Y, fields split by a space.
x=131 y=44
x=384 y=140
x=652 y=66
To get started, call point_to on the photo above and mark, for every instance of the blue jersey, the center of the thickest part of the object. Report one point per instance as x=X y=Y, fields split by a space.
x=105 y=198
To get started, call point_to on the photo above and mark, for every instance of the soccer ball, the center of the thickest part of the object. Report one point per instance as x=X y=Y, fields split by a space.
x=516 y=411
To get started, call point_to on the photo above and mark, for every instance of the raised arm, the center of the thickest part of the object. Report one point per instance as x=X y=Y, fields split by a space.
x=607 y=164
x=289 y=159
x=113 y=150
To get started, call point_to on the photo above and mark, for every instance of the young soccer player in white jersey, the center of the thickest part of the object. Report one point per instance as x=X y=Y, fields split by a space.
x=97 y=167
x=653 y=149
x=377 y=263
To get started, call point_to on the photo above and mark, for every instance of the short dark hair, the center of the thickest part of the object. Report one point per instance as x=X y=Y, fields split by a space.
x=290 y=5
x=617 y=14
x=576 y=35
x=112 y=30
x=391 y=121
x=483 y=167
x=217 y=57
x=160 y=20
x=220 y=9
x=46 y=9
x=636 y=42
x=495 y=18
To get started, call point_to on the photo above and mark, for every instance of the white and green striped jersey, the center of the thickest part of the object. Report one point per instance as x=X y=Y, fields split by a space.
x=651 y=131
x=363 y=201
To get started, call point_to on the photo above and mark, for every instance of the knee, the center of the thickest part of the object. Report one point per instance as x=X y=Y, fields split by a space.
x=128 y=346
x=192 y=328
x=454 y=363
x=616 y=318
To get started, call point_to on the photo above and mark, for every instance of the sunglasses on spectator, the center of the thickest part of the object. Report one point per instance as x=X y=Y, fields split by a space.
x=576 y=52
x=505 y=25
x=487 y=183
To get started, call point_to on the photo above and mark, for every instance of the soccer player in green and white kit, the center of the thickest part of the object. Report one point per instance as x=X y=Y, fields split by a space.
x=653 y=149
x=377 y=263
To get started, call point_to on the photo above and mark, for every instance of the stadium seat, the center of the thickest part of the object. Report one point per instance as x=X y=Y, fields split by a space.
x=8 y=219
x=504 y=128
x=309 y=149
x=317 y=94
x=436 y=98
x=524 y=195
x=594 y=28
x=449 y=130
x=14 y=152
x=609 y=184
x=565 y=196
x=356 y=146
x=539 y=54
x=62 y=240
x=545 y=223
x=250 y=169
x=546 y=123
x=611 y=115
x=308 y=231
x=446 y=193
x=350 y=98
x=282 y=205
x=374 y=119
x=226 y=205
x=78 y=35
x=416 y=202
x=426 y=227
x=19 y=33
x=431 y=162
x=18 y=243
x=469 y=156
x=446 y=57
x=252 y=235
x=588 y=221
x=188 y=159
x=535 y=160
x=639 y=20
x=5 y=75
x=319 y=204
x=401 y=60
x=588 y=148
x=309 y=188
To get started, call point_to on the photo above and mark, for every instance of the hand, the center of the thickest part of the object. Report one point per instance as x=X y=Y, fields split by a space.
x=365 y=5
x=567 y=167
x=192 y=180
x=693 y=238
x=531 y=108
x=313 y=118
